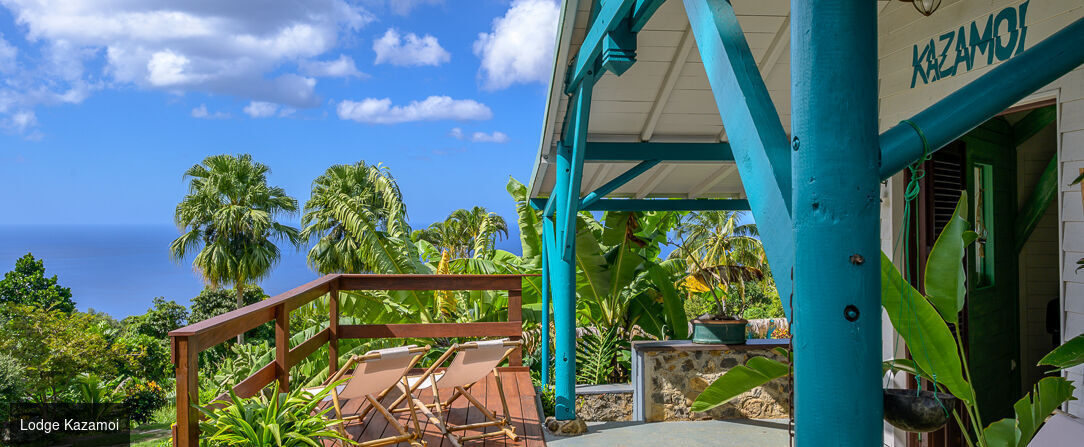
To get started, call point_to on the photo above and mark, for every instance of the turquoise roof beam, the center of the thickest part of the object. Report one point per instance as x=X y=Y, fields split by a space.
x=836 y=321
x=757 y=137
x=628 y=15
x=659 y=205
x=641 y=12
x=982 y=99
x=612 y=185
x=658 y=151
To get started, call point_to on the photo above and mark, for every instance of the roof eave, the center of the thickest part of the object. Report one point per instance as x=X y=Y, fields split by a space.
x=564 y=42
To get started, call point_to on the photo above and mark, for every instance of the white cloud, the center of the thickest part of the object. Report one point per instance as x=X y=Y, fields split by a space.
x=167 y=68
x=495 y=137
x=479 y=137
x=240 y=48
x=409 y=49
x=201 y=112
x=8 y=53
x=403 y=7
x=22 y=122
x=433 y=108
x=520 y=47
x=261 y=109
x=343 y=67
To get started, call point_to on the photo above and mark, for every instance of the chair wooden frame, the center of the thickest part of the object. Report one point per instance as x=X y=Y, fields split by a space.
x=447 y=429
x=404 y=433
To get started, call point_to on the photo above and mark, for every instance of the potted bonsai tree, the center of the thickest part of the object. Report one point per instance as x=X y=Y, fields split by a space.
x=721 y=251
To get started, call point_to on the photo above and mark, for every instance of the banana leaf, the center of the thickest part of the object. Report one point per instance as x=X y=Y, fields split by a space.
x=672 y=303
x=530 y=224
x=1031 y=411
x=1067 y=355
x=945 y=276
x=925 y=332
x=755 y=372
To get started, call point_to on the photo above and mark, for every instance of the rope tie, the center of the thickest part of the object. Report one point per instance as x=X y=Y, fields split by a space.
x=911 y=192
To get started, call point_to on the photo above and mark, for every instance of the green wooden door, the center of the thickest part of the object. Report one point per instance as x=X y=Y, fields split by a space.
x=992 y=311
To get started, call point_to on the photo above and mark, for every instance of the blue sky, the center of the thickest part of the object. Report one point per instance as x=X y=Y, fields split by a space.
x=105 y=103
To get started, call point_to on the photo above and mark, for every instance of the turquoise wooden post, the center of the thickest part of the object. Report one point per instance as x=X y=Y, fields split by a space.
x=562 y=252
x=837 y=305
x=563 y=288
x=547 y=234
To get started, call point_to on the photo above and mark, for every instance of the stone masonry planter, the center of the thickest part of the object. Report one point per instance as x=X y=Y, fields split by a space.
x=668 y=375
x=611 y=402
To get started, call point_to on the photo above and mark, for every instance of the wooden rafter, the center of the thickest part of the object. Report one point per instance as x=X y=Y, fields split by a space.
x=681 y=54
x=713 y=179
x=659 y=174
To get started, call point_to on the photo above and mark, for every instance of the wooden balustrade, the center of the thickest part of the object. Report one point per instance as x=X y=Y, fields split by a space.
x=189 y=341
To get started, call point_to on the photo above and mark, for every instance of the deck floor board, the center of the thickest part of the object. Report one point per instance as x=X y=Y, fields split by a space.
x=522 y=409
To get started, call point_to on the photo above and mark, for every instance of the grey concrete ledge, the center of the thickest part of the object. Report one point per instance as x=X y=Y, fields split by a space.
x=609 y=388
x=687 y=345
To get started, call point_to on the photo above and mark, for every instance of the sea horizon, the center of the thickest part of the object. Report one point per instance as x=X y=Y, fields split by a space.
x=120 y=268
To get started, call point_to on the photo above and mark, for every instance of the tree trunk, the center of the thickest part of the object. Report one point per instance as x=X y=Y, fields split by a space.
x=240 y=303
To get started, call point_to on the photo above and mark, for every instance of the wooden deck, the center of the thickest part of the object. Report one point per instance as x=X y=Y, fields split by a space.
x=522 y=407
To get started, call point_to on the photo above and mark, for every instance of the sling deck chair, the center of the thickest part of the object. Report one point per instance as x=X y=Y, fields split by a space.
x=376 y=374
x=473 y=362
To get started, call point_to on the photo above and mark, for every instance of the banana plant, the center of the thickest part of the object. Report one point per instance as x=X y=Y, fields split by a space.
x=924 y=322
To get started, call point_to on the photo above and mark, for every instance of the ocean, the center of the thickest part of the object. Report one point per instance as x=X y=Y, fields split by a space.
x=119 y=269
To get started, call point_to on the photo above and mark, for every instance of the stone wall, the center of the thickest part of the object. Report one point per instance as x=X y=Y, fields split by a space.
x=675 y=377
x=615 y=406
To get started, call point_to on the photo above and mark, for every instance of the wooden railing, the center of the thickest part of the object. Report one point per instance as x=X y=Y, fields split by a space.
x=189 y=341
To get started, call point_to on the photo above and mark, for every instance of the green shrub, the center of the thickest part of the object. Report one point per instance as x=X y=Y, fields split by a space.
x=166 y=414
x=287 y=419
x=55 y=346
x=142 y=398
x=142 y=356
x=12 y=388
x=549 y=401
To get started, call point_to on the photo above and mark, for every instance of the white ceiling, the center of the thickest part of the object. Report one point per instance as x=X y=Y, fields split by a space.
x=664 y=97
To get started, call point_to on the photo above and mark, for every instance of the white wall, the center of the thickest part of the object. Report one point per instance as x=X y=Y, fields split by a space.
x=901 y=29
x=1039 y=278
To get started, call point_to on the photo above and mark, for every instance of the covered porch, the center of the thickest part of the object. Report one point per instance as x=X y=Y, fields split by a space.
x=774 y=107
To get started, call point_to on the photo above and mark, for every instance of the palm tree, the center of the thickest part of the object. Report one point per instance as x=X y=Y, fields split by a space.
x=348 y=200
x=229 y=219
x=721 y=248
x=465 y=233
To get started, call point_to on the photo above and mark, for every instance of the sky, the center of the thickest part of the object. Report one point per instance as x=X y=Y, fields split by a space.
x=105 y=103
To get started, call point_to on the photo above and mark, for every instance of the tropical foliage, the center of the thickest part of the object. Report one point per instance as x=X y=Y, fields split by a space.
x=53 y=346
x=623 y=286
x=755 y=372
x=27 y=285
x=230 y=220
x=721 y=250
x=349 y=205
x=1068 y=355
x=465 y=233
x=285 y=419
x=924 y=322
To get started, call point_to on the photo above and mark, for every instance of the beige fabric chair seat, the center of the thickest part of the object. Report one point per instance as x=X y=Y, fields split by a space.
x=473 y=361
x=374 y=374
